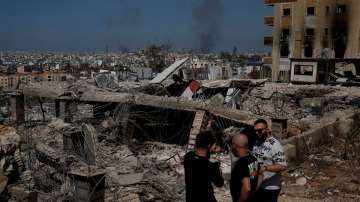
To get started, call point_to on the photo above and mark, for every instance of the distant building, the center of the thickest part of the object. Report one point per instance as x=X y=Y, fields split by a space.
x=201 y=69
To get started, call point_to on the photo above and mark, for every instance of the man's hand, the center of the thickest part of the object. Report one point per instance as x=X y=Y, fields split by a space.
x=276 y=168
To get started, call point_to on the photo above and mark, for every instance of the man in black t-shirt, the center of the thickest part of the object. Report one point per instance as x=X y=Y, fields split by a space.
x=200 y=173
x=245 y=176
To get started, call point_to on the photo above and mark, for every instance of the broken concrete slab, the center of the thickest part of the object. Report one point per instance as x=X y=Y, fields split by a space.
x=105 y=80
x=21 y=194
x=169 y=71
x=127 y=179
x=45 y=154
x=89 y=186
x=58 y=124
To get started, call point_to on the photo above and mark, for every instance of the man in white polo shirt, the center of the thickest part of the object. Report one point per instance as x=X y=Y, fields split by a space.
x=270 y=155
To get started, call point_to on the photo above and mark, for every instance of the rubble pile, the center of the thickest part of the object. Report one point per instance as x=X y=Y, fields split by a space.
x=328 y=174
x=150 y=171
x=97 y=137
x=305 y=106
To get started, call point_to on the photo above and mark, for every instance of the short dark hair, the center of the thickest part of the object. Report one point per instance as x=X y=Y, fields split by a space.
x=261 y=121
x=204 y=139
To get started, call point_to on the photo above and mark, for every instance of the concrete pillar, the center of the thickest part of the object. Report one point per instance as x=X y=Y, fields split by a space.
x=89 y=186
x=81 y=142
x=65 y=109
x=73 y=142
x=197 y=126
x=17 y=108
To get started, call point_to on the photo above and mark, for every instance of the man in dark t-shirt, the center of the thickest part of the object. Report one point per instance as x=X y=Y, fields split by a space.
x=245 y=174
x=200 y=173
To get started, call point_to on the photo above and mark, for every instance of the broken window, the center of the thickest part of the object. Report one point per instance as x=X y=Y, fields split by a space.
x=284 y=43
x=326 y=38
x=287 y=12
x=341 y=9
x=309 y=32
x=303 y=70
x=308 y=42
x=327 y=10
x=285 y=34
x=311 y=11
x=340 y=40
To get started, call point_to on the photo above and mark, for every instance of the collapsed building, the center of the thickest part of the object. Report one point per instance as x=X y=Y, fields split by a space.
x=103 y=140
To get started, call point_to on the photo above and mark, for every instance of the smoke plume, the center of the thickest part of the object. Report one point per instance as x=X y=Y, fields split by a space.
x=207 y=22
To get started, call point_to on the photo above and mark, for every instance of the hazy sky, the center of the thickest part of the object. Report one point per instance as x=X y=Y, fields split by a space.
x=90 y=25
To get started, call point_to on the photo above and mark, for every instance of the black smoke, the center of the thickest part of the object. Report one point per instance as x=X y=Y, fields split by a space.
x=207 y=24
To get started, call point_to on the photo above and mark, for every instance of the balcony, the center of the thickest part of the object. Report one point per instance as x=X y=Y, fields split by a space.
x=267 y=60
x=269 y=20
x=286 y=22
x=272 y=2
x=268 y=41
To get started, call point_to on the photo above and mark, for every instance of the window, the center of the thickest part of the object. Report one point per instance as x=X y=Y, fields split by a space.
x=341 y=9
x=311 y=11
x=327 y=10
x=326 y=31
x=286 y=12
x=285 y=34
x=309 y=32
x=303 y=70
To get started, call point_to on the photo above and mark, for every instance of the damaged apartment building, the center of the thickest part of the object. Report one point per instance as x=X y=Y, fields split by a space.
x=315 y=41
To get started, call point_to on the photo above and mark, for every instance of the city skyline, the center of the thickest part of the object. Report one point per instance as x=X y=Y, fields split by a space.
x=206 y=25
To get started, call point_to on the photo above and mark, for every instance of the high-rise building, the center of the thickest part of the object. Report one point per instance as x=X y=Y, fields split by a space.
x=306 y=32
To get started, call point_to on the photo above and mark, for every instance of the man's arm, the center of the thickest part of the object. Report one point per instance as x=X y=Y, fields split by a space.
x=279 y=161
x=216 y=175
x=276 y=168
x=260 y=180
x=245 y=189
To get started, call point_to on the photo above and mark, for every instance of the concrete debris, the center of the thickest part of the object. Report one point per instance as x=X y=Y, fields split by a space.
x=138 y=134
x=8 y=137
x=58 y=124
x=301 y=181
x=10 y=160
x=49 y=156
x=216 y=100
x=90 y=141
x=3 y=183
x=104 y=80
x=127 y=179
x=21 y=194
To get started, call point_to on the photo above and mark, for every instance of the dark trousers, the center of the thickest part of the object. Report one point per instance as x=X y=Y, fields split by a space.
x=264 y=195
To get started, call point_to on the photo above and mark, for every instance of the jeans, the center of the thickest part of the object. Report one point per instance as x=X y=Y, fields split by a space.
x=264 y=195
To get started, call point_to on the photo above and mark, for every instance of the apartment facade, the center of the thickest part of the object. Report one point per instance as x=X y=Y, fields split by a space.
x=9 y=81
x=305 y=31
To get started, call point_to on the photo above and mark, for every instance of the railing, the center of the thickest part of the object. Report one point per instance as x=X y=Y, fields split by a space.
x=268 y=40
x=269 y=20
x=272 y=2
